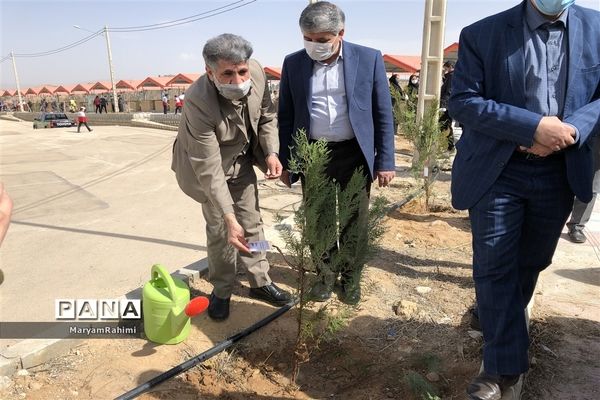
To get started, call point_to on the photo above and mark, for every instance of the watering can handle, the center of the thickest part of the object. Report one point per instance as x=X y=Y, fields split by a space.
x=158 y=271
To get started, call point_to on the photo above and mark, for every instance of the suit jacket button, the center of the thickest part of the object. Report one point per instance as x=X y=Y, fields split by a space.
x=501 y=164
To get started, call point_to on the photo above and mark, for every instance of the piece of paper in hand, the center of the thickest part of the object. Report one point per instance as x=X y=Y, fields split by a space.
x=261 y=245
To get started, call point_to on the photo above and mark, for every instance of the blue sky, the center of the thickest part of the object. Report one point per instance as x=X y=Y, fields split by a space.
x=393 y=26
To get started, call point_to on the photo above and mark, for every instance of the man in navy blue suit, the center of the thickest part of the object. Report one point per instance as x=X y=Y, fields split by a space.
x=527 y=89
x=338 y=91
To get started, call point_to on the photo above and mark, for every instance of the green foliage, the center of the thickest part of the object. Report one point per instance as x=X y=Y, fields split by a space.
x=420 y=386
x=327 y=215
x=427 y=361
x=429 y=141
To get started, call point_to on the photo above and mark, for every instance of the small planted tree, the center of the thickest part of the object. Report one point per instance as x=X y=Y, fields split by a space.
x=429 y=141
x=325 y=219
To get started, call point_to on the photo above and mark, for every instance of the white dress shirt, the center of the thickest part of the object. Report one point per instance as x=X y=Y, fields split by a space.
x=329 y=104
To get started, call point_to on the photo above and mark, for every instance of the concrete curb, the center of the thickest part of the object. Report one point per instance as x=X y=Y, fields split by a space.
x=29 y=353
x=143 y=120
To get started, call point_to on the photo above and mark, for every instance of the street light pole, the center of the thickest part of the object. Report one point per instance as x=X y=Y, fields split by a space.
x=110 y=66
x=12 y=55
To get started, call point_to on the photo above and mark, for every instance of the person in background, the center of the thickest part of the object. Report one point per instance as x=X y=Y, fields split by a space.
x=165 y=103
x=583 y=211
x=323 y=90
x=178 y=104
x=228 y=125
x=445 y=119
x=121 y=103
x=97 y=104
x=527 y=90
x=395 y=86
x=103 y=104
x=275 y=98
x=82 y=119
x=413 y=86
x=395 y=83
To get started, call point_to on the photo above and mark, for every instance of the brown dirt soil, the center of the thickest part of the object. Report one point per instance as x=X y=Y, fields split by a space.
x=390 y=342
x=407 y=337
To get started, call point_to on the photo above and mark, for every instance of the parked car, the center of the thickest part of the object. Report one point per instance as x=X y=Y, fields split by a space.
x=52 y=120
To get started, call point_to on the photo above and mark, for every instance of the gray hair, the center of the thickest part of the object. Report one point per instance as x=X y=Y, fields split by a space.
x=322 y=16
x=227 y=47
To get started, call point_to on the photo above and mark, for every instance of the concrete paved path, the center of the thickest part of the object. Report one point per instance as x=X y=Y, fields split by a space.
x=92 y=213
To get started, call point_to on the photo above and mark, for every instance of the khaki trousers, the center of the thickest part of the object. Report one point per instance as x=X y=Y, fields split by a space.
x=222 y=257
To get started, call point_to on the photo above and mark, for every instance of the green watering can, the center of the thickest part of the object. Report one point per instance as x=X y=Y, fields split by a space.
x=166 y=306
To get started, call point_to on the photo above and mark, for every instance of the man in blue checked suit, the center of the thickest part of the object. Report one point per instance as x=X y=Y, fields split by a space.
x=338 y=91
x=527 y=89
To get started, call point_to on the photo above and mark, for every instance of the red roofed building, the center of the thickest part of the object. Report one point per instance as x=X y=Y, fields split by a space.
x=82 y=88
x=67 y=89
x=33 y=91
x=451 y=52
x=183 y=80
x=47 y=90
x=101 y=87
x=273 y=73
x=154 y=83
x=125 y=85
x=406 y=64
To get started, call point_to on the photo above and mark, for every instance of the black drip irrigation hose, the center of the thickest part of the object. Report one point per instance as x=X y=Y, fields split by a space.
x=178 y=369
x=412 y=195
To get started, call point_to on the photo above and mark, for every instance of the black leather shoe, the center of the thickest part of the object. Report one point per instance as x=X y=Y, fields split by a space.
x=576 y=235
x=218 y=309
x=490 y=387
x=321 y=291
x=349 y=293
x=271 y=294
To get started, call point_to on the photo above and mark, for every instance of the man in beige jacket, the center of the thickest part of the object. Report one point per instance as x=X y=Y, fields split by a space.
x=228 y=125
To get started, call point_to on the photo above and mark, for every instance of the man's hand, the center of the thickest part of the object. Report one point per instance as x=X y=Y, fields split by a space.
x=385 y=177
x=235 y=233
x=274 y=167
x=554 y=134
x=285 y=178
x=537 y=149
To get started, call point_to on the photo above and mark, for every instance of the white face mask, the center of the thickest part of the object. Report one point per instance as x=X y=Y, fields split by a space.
x=553 y=7
x=319 y=51
x=233 y=91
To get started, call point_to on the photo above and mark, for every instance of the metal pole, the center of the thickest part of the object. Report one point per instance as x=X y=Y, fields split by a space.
x=432 y=58
x=110 y=66
x=17 y=79
x=432 y=54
